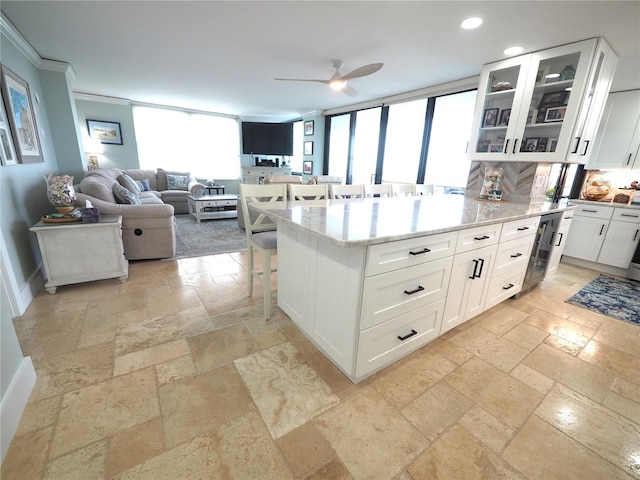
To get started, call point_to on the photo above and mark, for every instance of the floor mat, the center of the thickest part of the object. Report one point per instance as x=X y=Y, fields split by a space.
x=612 y=297
x=209 y=237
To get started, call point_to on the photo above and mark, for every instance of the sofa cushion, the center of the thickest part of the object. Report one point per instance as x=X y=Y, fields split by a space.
x=162 y=177
x=99 y=187
x=177 y=182
x=143 y=185
x=129 y=183
x=140 y=174
x=123 y=195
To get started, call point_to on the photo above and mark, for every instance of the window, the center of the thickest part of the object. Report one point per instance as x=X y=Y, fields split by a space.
x=208 y=146
x=339 y=145
x=365 y=146
x=298 y=140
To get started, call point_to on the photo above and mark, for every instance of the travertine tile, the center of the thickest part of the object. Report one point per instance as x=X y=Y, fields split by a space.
x=458 y=455
x=621 y=364
x=50 y=334
x=561 y=327
x=27 y=455
x=626 y=389
x=173 y=302
x=533 y=378
x=451 y=351
x=305 y=450
x=563 y=345
x=222 y=346
x=103 y=306
x=620 y=335
x=38 y=414
x=525 y=335
x=97 y=330
x=506 y=398
x=150 y=357
x=390 y=440
x=333 y=377
x=486 y=428
x=286 y=390
x=501 y=319
x=334 y=470
x=134 y=446
x=622 y=405
x=556 y=455
x=102 y=410
x=87 y=463
x=175 y=369
x=496 y=350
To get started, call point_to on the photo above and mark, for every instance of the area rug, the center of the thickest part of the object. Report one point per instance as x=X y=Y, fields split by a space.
x=209 y=237
x=612 y=297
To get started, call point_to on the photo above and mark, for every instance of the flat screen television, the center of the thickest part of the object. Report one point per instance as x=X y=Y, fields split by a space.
x=267 y=138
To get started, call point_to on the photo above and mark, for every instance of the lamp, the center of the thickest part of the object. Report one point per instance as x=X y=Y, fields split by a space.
x=92 y=147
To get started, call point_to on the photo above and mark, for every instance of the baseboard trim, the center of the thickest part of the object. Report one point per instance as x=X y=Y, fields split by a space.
x=14 y=402
x=598 y=267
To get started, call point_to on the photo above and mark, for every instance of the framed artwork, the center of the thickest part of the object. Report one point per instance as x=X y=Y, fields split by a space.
x=555 y=114
x=542 y=145
x=504 y=117
x=106 y=132
x=490 y=118
x=552 y=144
x=530 y=144
x=308 y=148
x=21 y=117
x=7 y=151
x=308 y=127
x=483 y=146
x=307 y=167
x=553 y=99
x=496 y=147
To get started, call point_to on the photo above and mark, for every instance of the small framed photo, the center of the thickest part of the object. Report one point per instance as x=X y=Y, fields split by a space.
x=553 y=99
x=530 y=144
x=308 y=148
x=106 y=132
x=308 y=127
x=555 y=114
x=542 y=145
x=552 y=144
x=496 y=147
x=307 y=167
x=504 y=117
x=483 y=146
x=490 y=118
x=7 y=150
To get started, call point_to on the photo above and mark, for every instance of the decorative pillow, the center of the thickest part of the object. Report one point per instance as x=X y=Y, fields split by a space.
x=124 y=196
x=177 y=182
x=143 y=185
x=129 y=183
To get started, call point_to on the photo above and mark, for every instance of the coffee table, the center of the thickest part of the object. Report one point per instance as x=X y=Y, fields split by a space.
x=220 y=203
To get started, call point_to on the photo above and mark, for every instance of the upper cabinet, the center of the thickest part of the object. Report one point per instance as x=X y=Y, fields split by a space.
x=617 y=143
x=541 y=107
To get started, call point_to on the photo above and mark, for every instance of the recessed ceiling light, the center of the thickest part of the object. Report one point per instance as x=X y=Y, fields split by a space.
x=513 y=50
x=552 y=75
x=471 y=23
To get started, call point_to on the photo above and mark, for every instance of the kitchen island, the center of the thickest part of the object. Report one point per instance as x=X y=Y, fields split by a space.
x=372 y=280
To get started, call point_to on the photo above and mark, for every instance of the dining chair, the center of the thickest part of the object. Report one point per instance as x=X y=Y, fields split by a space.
x=403 y=189
x=261 y=235
x=346 y=191
x=378 y=190
x=308 y=192
x=427 y=189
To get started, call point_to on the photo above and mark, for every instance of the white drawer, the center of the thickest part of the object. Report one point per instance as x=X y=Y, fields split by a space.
x=594 y=211
x=406 y=253
x=380 y=346
x=519 y=228
x=478 y=237
x=512 y=254
x=504 y=286
x=567 y=217
x=391 y=294
x=626 y=215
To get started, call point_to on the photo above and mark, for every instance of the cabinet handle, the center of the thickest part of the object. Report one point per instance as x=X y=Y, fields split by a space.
x=586 y=146
x=484 y=237
x=515 y=143
x=601 y=229
x=408 y=335
x=475 y=267
x=635 y=237
x=575 y=150
x=589 y=211
x=511 y=285
x=481 y=267
x=568 y=218
x=629 y=159
x=629 y=215
x=506 y=147
x=411 y=292
x=522 y=229
x=420 y=252
x=560 y=239
x=516 y=255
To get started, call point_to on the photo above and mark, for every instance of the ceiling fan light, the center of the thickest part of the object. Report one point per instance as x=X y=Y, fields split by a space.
x=338 y=84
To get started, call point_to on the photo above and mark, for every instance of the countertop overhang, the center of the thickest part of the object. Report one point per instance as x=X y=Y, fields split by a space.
x=369 y=221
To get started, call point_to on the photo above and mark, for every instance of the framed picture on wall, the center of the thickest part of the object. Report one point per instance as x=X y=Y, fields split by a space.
x=307 y=167
x=21 y=117
x=308 y=127
x=308 y=148
x=106 y=132
x=7 y=151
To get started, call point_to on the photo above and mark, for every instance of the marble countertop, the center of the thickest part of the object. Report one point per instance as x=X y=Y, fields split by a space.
x=606 y=204
x=371 y=221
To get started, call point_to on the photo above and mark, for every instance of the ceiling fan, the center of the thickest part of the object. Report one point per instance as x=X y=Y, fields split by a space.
x=339 y=81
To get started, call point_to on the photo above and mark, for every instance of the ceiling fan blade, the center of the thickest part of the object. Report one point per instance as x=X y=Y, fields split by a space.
x=363 y=71
x=302 y=80
x=352 y=92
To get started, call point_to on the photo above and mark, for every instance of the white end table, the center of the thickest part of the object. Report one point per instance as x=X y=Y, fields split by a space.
x=81 y=252
x=198 y=204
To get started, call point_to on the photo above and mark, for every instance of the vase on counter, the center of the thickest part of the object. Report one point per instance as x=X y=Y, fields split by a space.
x=491 y=182
x=60 y=192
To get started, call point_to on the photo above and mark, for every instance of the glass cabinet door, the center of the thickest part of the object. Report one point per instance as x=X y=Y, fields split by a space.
x=499 y=98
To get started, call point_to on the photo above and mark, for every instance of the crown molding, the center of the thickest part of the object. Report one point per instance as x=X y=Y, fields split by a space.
x=90 y=97
x=23 y=46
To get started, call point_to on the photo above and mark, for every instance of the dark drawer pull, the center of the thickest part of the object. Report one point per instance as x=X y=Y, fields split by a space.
x=408 y=335
x=484 y=237
x=511 y=285
x=419 y=289
x=589 y=211
x=629 y=215
x=516 y=255
x=522 y=229
x=420 y=252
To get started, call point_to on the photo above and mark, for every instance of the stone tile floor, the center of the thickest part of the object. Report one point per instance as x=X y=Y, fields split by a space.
x=174 y=375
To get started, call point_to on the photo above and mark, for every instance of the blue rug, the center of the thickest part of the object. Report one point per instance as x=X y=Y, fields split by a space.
x=612 y=297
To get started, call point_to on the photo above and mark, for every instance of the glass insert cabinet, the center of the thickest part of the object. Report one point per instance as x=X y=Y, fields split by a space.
x=542 y=106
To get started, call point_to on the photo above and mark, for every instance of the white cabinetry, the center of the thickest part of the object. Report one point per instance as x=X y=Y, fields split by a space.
x=560 y=240
x=540 y=119
x=618 y=140
x=587 y=232
x=622 y=238
x=256 y=175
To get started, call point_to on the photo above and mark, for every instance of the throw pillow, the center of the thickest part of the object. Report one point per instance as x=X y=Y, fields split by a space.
x=129 y=183
x=177 y=182
x=124 y=196
x=143 y=185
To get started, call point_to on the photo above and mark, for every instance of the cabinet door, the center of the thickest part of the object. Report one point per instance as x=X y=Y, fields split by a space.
x=619 y=244
x=558 y=248
x=619 y=133
x=469 y=276
x=586 y=237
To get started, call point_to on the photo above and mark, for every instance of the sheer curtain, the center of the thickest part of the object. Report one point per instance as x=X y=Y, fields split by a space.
x=208 y=146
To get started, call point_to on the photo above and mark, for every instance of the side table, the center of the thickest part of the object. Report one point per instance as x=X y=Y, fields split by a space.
x=81 y=252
